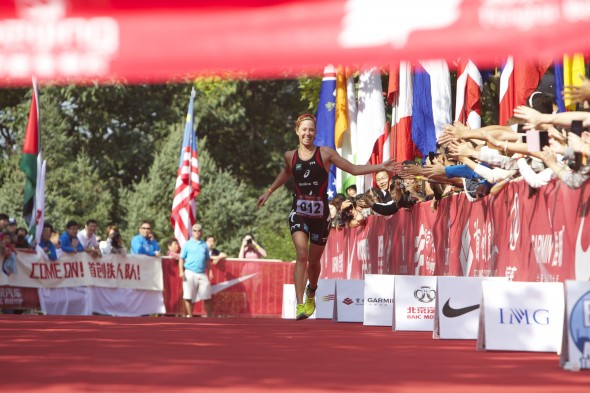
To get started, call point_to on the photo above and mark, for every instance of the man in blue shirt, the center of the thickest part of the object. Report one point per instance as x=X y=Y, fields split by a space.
x=45 y=242
x=192 y=266
x=145 y=243
x=69 y=239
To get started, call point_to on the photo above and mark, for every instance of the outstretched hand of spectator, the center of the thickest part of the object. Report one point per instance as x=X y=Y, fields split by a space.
x=577 y=94
x=575 y=142
x=532 y=116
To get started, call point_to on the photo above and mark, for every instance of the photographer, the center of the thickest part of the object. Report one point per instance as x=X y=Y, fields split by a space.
x=114 y=243
x=250 y=249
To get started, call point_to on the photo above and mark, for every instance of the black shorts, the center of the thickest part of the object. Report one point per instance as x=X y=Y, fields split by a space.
x=316 y=229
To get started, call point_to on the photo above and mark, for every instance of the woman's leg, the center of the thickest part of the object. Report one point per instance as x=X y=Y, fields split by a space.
x=314 y=266
x=301 y=248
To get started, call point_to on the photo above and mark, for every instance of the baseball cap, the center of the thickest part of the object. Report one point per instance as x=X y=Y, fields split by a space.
x=12 y=221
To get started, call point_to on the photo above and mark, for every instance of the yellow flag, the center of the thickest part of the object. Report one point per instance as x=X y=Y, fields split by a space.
x=341 y=106
x=573 y=67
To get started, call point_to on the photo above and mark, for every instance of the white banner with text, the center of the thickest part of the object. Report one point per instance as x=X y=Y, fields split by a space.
x=80 y=269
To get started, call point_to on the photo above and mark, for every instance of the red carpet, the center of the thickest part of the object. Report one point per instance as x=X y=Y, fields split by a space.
x=104 y=354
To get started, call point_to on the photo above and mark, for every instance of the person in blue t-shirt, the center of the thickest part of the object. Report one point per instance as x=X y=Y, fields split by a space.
x=145 y=243
x=192 y=267
x=69 y=238
x=45 y=242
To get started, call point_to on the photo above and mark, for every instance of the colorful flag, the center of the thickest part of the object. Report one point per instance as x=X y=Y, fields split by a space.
x=188 y=187
x=517 y=82
x=31 y=163
x=400 y=96
x=573 y=68
x=326 y=119
x=432 y=103
x=469 y=88
x=370 y=119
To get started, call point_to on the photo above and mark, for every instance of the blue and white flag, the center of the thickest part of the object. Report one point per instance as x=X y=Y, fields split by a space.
x=326 y=120
x=432 y=103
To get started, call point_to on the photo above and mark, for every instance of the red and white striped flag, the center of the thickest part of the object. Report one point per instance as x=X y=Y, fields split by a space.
x=469 y=88
x=187 y=182
x=401 y=95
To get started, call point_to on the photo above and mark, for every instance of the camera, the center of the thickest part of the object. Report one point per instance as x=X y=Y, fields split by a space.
x=249 y=241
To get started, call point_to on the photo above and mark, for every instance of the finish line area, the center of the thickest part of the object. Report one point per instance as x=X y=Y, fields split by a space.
x=159 y=354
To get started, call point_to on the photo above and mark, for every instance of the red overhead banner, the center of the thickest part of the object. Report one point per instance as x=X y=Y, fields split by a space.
x=156 y=40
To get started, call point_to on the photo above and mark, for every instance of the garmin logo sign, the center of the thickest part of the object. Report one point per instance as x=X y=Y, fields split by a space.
x=379 y=300
x=518 y=316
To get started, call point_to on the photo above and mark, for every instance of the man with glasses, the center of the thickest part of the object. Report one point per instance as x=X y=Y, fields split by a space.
x=192 y=267
x=145 y=243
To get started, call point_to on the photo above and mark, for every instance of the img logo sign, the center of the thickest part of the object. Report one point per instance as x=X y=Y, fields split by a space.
x=579 y=328
x=520 y=316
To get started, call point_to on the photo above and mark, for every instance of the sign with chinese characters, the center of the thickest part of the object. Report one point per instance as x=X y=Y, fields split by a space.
x=414 y=303
x=81 y=269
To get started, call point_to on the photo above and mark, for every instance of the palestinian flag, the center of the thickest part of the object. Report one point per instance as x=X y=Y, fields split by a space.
x=31 y=160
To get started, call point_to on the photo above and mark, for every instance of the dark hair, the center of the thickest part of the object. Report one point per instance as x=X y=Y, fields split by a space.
x=351 y=187
x=170 y=241
x=4 y=216
x=541 y=102
x=48 y=225
x=91 y=222
x=72 y=223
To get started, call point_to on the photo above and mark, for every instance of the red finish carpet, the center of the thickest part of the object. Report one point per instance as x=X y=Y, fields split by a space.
x=166 y=354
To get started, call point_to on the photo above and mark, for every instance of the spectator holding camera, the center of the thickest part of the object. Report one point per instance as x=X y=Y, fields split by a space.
x=114 y=243
x=250 y=249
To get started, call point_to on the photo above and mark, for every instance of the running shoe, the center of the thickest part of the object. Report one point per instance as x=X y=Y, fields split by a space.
x=309 y=305
x=300 y=313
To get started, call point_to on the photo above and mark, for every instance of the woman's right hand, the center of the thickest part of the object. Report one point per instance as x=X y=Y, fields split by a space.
x=262 y=199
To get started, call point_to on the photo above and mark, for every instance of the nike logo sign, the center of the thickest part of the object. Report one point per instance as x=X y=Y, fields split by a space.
x=451 y=312
x=216 y=288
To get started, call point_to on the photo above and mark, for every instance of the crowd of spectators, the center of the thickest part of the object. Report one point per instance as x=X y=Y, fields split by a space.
x=536 y=146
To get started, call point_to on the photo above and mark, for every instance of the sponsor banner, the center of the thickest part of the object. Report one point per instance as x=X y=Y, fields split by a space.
x=545 y=237
x=240 y=287
x=289 y=302
x=324 y=299
x=414 y=303
x=77 y=40
x=80 y=269
x=521 y=316
x=18 y=297
x=378 y=310
x=349 y=303
x=575 y=350
x=458 y=306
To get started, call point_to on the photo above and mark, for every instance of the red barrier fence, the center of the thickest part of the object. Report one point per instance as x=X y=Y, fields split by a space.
x=241 y=287
x=544 y=237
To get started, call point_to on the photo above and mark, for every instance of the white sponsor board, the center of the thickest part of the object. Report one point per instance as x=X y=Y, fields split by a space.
x=521 y=316
x=289 y=301
x=349 y=303
x=378 y=310
x=324 y=299
x=575 y=350
x=457 y=307
x=414 y=303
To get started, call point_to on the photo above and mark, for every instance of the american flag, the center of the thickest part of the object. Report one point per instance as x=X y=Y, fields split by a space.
x=183 y=214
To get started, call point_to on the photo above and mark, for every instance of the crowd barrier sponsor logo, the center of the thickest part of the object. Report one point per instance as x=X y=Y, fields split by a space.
x=216 y=288
x=466 y=256
x=579 y=328
x=44 y=42
x=420 y=312
x=357 y=302
x=328 y=298
x=451 y=312
x=514 y=223
x=11 y=297
x=424 y=251
x=425 y=294
x=582 y=255
x=379 y=301
x=519 y=316
x=548 y=248
x=393 y=27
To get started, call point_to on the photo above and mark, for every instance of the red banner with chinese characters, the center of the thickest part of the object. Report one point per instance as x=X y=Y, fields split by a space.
x=156 y=40
x=542 y=237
